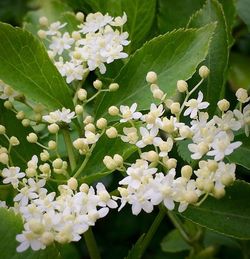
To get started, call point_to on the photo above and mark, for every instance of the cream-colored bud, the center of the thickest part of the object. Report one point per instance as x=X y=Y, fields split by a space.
x=14 y=141
x=53 y=128
x=223 y=105
x=242 y=95
x=51 y=54
x=82 y=94
x=84 y=188
x=191 y=197
x=44 y=156
x=152 y=156
x=90 y=127
x=182 y=86
x=171 y=163
x=52 y=145
x=78 y=109
x=30 y=172
x=38 y=108
x=109 y=163
x=203 y=148
x=158 y=94
x=65 y=165
x=208 y=186
x=227 y=179
x=101 y=123
x=4 y=158
x=113 y=87
x=41 y=34
x=112 y=132
x=219 y=192
x=186 y=171
x=175 y=108
x=154 y=87
x=32 y=138
x=57 y=163
x=204 y=71
x=26 y=123
x=185 y=132
x=97 y=84
x=113 y=111
x=118 y=159
x=212 y=165
x=76 y=36
x=78 y=143
x=2 y=129
x=3 y=150
x=47 y=238
x=88 y=119
x=151 y=77
x=45 y=168
x=72 y=183
x=43 y=21
x=8 y=105
x=77 y=55
x=20 y=115
x=80 y=16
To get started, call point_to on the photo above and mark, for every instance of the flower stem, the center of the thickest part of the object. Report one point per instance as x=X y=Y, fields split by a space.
x=153 y=228
x=70 y=149
x=91 y=244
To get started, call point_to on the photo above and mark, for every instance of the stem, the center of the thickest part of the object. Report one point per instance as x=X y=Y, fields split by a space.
x=70 y=149
x=153 y=228
x=91 y=244
x=178 y=224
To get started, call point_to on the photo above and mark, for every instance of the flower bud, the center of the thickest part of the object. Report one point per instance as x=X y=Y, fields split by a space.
x=118 y=159
x=72 y=183
x=4 y=158
x=78 y=109
x=32 y=138
x=36 y=226
x=242 y=95
x=53 y=128
x=80 y=16
x=113 y=87
x=182 y=86
x=219 y=192
x=14 y=141
x=185 y=132
x=158 y=94
x=57 y=163
x=84 y=188
x=109 y=163
x=186 y=171
x=41 y=34
x=82 y=94
x=101 y=123
x=175 y=108
x=97 y=84
x=171 y=163
x=223 y=105
x=2 y=129
x=204 y=71
x=43 y=21
x=8 y=105
x=44 y=156
x=112 y=132
x=90 y=127
x=20 y=115
x=88 y=119
x=30 y=172
x=151 y=77
x=26 y=123
x=45 y=168
x=113 y=111
x=191 y=197
x=47 y=238
x=52 y=145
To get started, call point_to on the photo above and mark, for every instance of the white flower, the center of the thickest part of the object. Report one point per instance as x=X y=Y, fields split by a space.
x=129 y=113
x=195 y=105
x=119 y=21
x=29 y=239
x=103 y=195
x=65 y=115
x=147 y=137
x=91 y=137
x=12 y=175
x=153 y=117
x=95 y=22
x=244 y=118
x=54 y=28
x=6 y=92
x=222 y=146
x=59 y=44
x=131 y=135
x=198 y=150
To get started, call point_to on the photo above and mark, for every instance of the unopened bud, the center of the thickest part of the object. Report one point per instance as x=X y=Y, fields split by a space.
x=118 y=159
x=72 y=183
x=191 y=197
x=186 y=171
x=84 y=188
x=43 y=21
x=78 y=109
x=47 y=238
x=175 y=108
x=97 y=84
x=80 y=16
x=182 y=86
x=8 y=105
x=151 y=77
x=109 y=163
x=57 y=163
x=112 y=132
x=223 y=105
x=2 y=129
x=219 y=192
x=82 y=94
x=20 y=115
x=171 y=163
x=32 y=138
x=41 y=34
x=45 y=168
x=113 y=87
x=53 y=128
x=204 y=71
x=101 y=123
x=158 y=94
x=52 y=145
x=90 y=127
x=113 y=111
x=14 y=141
x=242 y=95
x=4 y=158
x=88 y=119
x=26 y=122
x=44 y=155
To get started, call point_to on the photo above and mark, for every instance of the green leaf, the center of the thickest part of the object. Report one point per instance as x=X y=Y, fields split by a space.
x=229 y=215
x=22 y=153
x=239 y=71
x=95 y=167
x=135 y=252
x=217 y=59
x=11 y=225
x=183 y=151
x=25 y=65
x=243 y=10
x=174 y=14
x=173 y=242
x=241 y=154
x=172 y=56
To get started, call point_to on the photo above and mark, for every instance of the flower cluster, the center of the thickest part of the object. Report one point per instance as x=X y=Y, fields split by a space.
x=154 y=177
x=98 y=40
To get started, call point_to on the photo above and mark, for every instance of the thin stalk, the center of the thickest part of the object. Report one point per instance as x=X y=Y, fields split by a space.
x=70 y=149
x=152 y=230
x=91 y=245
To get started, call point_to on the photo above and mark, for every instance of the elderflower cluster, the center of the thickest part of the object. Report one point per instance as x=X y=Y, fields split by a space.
x=155 y=178
x=99 y=40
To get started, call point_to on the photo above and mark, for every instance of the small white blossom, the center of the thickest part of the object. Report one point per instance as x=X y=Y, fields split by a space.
x=12 y=175
x=65 y=115
x=129 y=113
